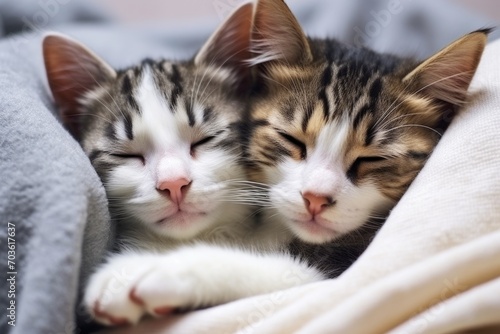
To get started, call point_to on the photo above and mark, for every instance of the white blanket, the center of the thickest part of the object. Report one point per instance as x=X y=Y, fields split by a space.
x=433 y=268
x=50 y=192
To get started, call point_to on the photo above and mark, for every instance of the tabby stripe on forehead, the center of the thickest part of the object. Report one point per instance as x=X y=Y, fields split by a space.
x=190 y=114
x=326 y=80
x=375 y=90
x=175 y=77
x=174 y=97
x=342 y=72
x=326 y=104
x=177 y=90
x=362 y=114
x=127 y=121
x=337 y=93
x=365 y=76
x=128 y=91
x=370 y=134
x=340 y=88
x=307 y=116
x=367 y=109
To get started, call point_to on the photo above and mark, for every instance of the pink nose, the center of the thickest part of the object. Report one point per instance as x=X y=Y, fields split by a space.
x=315 y=204
x=176 y=189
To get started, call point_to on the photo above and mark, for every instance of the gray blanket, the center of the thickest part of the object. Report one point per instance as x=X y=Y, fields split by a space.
x=50 y=196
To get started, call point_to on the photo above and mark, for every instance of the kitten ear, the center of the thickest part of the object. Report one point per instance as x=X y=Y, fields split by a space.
x=447 y=75
x=72 y=71
x=277 y=35
x=229 y=46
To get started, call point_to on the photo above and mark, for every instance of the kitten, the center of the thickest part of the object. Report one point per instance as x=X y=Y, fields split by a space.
x=163 y=137
x=341 y=132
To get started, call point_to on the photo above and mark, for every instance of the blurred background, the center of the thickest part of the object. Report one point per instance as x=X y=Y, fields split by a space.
x=404 y=27
x=136 y=11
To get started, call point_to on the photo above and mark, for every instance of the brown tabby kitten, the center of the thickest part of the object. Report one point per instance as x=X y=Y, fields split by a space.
x=340 y=132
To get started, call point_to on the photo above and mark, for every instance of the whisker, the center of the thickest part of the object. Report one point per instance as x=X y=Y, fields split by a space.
x=389 y=111
x=415 y=125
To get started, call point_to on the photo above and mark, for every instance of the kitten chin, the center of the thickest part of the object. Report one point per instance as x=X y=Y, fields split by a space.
x=227 y=222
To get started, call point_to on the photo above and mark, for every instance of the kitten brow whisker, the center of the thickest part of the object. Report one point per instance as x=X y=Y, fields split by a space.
x=414 y=125
x=93 y=115
x=392 y=120
x=387 y=113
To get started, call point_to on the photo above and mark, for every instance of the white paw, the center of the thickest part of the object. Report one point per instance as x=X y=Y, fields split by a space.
x=130 y=286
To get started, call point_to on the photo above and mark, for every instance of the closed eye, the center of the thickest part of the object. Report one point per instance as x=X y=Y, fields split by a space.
x=199 y=143
x=369 y=159
x=352 y=172
x=295 y=142
x=129 y=156
x=202 y=142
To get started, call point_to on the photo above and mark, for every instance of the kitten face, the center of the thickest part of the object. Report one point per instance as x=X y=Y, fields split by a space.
x=340 y=133
x=166 y=147
x=329 y=160
x=162 y=135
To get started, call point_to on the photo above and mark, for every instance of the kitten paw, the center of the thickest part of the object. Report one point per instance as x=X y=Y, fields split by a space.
x=130 y=286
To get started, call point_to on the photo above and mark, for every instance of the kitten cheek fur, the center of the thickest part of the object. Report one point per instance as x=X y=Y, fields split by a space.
x=395 y=111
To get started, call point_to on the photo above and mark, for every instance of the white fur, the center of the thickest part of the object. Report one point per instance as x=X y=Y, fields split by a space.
x=323 y=172
x=189 y=277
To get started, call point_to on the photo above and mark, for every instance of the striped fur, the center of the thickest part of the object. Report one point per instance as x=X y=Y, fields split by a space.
x=345 y=123
x=339 y=122
x=163 y=120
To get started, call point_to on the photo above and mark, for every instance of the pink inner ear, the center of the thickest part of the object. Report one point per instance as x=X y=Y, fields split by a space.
x=277 y=35
x=449 y=81
x=229 y=46
x=447 y=75
x=72 y=70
